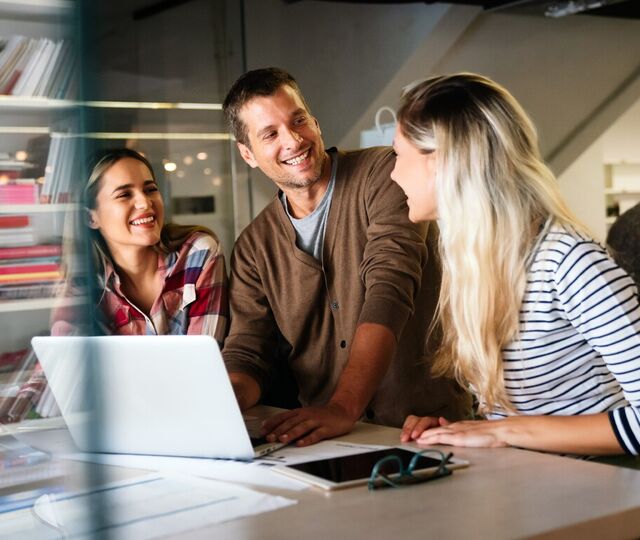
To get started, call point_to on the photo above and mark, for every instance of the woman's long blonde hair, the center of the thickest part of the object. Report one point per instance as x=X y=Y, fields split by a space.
x=494 y=194
x=172 y=235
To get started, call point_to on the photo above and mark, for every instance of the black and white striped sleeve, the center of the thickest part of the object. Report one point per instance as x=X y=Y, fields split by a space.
x=601 y=302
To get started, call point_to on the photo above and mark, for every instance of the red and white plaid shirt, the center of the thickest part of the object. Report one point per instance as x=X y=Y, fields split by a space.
x=193 y=301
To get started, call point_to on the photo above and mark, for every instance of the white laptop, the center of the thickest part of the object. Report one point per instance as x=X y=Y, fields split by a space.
x=155 y=395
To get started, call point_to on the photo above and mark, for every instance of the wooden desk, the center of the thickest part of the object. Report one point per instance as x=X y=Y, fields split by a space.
x=504 y=493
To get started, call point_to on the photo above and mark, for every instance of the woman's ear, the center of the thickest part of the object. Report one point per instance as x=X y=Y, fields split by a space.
x=91 y=218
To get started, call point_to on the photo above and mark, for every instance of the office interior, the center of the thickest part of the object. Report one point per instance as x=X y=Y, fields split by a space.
x=151 y=75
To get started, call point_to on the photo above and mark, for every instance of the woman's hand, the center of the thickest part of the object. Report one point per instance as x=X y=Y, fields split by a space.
x=414 y=426
x=589 y=434
x=475 y=433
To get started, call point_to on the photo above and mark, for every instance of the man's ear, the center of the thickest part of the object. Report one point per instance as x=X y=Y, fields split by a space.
x=247 y=155
x=92 y=219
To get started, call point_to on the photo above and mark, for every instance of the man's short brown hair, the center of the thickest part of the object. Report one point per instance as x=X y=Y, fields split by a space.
x=258 y=82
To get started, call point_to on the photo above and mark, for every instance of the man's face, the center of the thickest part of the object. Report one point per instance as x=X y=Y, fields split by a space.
x=284 y=139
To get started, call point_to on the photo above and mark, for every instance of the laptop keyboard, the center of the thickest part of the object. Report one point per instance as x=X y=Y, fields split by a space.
x=257 y=441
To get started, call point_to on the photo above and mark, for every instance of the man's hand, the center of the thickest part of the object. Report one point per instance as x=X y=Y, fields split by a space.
x=246 y=388
x=308 y=425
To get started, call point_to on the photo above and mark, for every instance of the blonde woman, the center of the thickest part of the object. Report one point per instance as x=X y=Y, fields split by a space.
x=537 y=319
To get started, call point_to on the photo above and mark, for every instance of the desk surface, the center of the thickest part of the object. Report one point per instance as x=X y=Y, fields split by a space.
x=504 y=493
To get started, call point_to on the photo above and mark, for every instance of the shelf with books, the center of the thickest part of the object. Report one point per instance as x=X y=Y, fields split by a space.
x=35 y=8
x=19 y=103
x=32 y=67
x=31 y=304
x=37 y=208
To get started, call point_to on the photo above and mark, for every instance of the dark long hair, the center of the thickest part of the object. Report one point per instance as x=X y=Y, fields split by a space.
x=172 y=235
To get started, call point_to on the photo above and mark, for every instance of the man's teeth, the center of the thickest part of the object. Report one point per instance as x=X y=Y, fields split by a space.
x=297 y=160
x=141 y=221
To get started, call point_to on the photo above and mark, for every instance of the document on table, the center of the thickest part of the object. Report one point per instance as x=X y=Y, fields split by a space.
x=151 y=506
x=256 y=472
x=35 y=424
x=290 y=455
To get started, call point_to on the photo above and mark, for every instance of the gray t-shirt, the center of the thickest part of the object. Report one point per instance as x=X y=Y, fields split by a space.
x=310 y=229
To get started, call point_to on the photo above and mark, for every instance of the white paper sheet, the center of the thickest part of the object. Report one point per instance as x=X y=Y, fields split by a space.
x=24 y=525
x=54 y=441
x=290 y=455
x=254 y=473
x=151 y=506
x=35 y=424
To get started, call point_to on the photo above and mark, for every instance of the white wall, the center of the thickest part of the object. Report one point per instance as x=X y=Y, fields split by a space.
x=582 y=185
x=574 y=75
x=583 y=182
x=341 y=55
x=621 y=142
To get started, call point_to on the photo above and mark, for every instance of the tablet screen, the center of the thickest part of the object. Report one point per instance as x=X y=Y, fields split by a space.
x=356 y=467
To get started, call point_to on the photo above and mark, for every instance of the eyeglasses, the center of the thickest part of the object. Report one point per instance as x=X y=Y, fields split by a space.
x=390 y=471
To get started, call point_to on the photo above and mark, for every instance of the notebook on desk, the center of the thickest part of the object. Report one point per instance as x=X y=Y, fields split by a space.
x=154 y=395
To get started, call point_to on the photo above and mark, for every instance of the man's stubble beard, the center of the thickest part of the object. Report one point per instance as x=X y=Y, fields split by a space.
x=295 y=183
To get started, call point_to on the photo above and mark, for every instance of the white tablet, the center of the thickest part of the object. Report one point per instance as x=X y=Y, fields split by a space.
x=347 y=471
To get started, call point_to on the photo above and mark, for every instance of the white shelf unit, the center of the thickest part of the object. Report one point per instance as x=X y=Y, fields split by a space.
x=35 y=8
x=35 y=102
x=163 y=129
x=36 y=208
x=34 y=304
x=23 y=121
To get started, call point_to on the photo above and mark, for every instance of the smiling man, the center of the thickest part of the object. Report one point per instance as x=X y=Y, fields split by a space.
x=331 y=274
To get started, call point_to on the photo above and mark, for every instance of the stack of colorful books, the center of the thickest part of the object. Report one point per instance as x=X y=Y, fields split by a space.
x=16 y=231
x=37 y=67
x=29 y=271
x=19 y=192
x=62 y=167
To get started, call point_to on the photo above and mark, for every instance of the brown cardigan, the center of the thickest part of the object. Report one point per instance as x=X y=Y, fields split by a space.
x=375 y=269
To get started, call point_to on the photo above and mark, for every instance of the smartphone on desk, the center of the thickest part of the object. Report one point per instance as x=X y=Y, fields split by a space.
x=347 y=471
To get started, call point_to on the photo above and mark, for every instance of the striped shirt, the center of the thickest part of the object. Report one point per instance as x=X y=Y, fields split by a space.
x=578 y=350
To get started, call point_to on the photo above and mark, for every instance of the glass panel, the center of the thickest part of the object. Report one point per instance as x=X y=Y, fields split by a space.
x=137 y=84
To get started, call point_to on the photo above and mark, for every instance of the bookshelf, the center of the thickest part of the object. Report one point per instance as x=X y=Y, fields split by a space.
x=36 y=53
x=171 y=114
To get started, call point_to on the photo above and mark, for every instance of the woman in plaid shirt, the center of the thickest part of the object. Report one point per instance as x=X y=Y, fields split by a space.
x=153 y=277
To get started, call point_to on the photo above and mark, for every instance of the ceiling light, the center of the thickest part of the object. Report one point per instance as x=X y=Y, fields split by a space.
x=571 y=7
